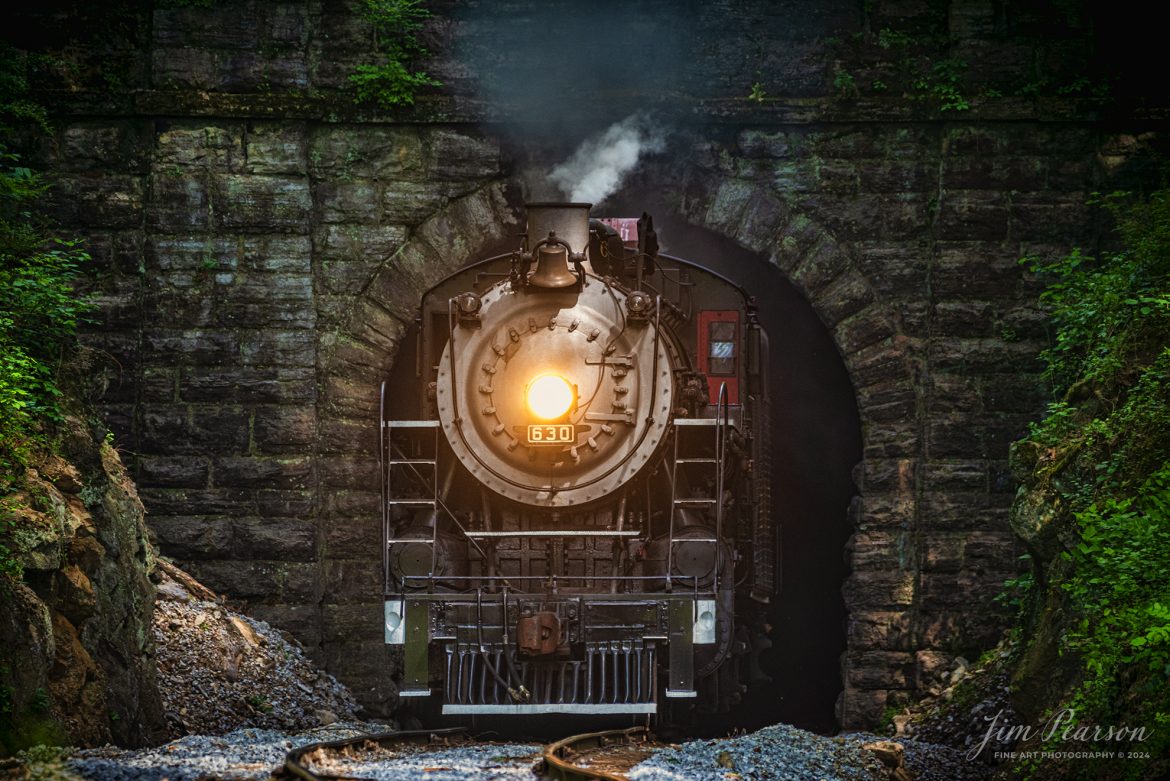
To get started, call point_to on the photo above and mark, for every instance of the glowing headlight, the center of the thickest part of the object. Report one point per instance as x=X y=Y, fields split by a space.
x=549 y=396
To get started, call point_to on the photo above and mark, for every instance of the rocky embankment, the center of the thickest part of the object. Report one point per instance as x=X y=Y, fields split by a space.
x=219 y=670
x=237 y=696
x=76 y=649
x=103 y=642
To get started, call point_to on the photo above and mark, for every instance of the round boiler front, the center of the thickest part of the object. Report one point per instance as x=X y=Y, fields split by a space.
x=555 y=400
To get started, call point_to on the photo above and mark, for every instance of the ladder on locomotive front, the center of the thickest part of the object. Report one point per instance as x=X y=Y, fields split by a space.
x=695 y=461
x=411 y=462
x=718 y=426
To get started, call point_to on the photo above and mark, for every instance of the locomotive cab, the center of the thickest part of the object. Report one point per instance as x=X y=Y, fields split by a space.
x=578 y=522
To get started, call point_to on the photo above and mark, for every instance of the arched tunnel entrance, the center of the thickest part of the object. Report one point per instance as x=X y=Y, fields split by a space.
x=816 y=441
x=816 y=438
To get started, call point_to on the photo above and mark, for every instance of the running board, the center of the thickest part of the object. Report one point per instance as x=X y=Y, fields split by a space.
x=553 y=707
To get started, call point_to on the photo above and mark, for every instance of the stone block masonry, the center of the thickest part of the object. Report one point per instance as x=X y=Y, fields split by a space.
x=243 y=350
x=258 y=257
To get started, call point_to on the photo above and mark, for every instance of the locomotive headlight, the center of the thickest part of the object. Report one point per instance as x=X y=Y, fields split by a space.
x=549 y=396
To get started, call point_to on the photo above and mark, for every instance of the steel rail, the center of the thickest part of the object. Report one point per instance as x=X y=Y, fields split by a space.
x=555 y=761
x=293 y=765
x=556 y=765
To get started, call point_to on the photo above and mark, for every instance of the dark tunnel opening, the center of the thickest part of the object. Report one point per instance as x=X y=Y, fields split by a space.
x=816 y=439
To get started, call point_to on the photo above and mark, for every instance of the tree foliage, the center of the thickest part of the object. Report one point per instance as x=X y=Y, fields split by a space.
x=1105 y=448
x=39 y=311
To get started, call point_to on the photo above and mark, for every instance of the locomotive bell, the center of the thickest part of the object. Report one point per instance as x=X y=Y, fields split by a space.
x=552 y=268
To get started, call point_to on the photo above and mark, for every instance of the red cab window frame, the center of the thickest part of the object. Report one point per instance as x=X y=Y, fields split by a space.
x=706 y=319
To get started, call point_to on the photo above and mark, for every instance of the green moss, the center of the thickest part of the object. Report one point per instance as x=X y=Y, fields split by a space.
x=258 y=703
x=844 y=84
x=32 y=732
x=188 y=3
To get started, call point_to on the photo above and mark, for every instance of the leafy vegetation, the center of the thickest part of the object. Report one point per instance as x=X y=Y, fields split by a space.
x=258 y=703
x=1106 y=312
x=39 y=314
x=16 y=109
x=1016 y=590
x=39 y=311
x=943 y=83
x=937 y=80
x=188 y=3
x=919 y=64
x=395 y=81
x=925 y=66
x=1110 y=360
x=1104 y=450
x=844 y=84
x=1121 y=589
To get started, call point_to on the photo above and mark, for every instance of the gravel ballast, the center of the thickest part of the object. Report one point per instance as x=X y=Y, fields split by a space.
x=778 y=752
x=931 y=761
x=241 y=754
x=219 y=670
x=249 y=754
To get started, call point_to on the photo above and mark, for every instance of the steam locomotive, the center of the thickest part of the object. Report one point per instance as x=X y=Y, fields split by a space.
x=579 y=521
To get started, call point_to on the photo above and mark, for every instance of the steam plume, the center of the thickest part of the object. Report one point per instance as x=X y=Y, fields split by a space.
x=597 y=168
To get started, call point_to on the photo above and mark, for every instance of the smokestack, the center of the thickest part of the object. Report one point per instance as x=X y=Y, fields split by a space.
x=570 y=221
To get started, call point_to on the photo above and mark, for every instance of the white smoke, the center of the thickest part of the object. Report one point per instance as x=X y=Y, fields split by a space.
x=597 y=168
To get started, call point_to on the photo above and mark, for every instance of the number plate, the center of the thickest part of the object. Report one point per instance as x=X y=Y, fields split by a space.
x=551 y=434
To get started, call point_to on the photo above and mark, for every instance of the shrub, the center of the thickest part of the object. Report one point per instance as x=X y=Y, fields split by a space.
x=1105 y=448
x=395 y=81
x=39 y=311
x=1120 y=587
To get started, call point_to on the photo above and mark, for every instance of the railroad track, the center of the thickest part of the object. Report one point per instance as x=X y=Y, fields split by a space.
x=597 y=755
x=299 y=761
x=593 y=756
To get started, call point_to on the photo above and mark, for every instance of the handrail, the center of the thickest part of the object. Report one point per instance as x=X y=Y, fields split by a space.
x=721 y=423
x=426 y=581
x=384 y=481
x=673 y=503
x=550 y=577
